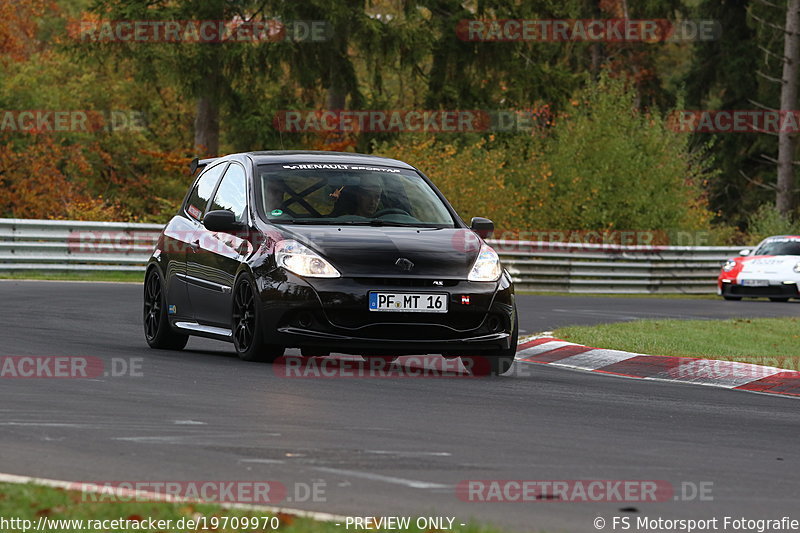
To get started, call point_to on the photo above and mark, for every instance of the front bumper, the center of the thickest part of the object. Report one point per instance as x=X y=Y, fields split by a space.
x=773 y=290
x=333 y=315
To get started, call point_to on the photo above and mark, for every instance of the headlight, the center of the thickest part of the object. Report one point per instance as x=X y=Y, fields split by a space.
x=298 y=258
x=729 y=265
x=797 y=267
x=486 y=267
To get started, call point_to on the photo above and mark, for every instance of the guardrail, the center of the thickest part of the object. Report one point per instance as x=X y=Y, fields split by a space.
x=68 y=245
x=599 y=268
x=65 y=245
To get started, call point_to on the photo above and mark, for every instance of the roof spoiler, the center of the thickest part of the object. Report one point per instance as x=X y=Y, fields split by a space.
x=200 y=163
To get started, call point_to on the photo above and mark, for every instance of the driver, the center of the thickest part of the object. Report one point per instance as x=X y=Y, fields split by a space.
x=361 y=200
x=368 y=196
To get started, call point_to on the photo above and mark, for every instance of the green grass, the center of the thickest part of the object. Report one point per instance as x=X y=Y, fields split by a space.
x=132 y=277
x=29 y=502
x=671 y=296
x=763 y=341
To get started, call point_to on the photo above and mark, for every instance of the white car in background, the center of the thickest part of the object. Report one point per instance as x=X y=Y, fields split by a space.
x=771 y=271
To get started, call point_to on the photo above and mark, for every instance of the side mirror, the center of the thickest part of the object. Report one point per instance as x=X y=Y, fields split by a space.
x=482 y=226
x=744 y=252
x=221 y=220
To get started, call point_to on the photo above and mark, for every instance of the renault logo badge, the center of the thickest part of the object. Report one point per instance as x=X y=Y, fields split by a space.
x=404 y=264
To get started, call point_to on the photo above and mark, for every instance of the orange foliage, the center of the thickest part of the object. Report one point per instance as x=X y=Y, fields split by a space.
x=18 y=26
x=34 y=183
x=614 y=8
x=335 y=142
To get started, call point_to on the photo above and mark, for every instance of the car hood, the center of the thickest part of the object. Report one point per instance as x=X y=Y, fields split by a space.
x=770 y=265
x=374 y=251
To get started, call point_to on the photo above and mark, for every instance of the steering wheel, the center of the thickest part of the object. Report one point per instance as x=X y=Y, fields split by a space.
x=391 y=211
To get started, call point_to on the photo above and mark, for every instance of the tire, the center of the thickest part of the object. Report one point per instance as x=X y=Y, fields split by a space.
x=780 y=299
x=157 y=331
x=248 y=333
x=497 y=363
x=732 y=298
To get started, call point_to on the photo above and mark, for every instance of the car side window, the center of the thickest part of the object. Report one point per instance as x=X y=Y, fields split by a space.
x=203 y=189
x=232 y=192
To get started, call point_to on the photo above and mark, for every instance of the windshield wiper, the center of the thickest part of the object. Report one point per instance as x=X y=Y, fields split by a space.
x=375 y=222
x=378 y=223
x=306 y=221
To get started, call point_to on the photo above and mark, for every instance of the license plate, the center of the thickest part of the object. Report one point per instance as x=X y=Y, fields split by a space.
x=755 y=282
x=408 y=302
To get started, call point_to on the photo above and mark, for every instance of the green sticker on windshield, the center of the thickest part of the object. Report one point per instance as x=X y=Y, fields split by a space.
x=276 y=212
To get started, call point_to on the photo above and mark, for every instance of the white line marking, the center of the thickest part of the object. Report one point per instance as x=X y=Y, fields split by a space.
x=408 y=454
x=84 y=487
x=413 y=483
x=168 y=440
x=263 y=461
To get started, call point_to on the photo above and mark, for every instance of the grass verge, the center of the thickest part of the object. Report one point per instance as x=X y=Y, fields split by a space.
x=31 y=502
x=670 y=296
x=762 y=341
x=133 y=277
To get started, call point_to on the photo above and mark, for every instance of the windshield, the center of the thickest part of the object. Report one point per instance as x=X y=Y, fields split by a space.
x=779 y=247
x=346 y=194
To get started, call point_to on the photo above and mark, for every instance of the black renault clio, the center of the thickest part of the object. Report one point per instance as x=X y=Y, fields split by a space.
x=328 y=252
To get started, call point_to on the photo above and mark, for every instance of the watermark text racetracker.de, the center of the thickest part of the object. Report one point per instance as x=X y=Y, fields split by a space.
x=44 y=121
x=412 y=120
x=69 y=367
x=376 y=367
x=735 y=121
x=263 y=492
x=504 y=241
x=581 y=490
x=588 y=30
x=236 y=30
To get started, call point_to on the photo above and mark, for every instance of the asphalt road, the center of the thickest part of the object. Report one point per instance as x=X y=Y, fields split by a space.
x=389 y=446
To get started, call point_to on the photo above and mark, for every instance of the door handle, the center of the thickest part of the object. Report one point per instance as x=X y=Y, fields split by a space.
x=194 y=245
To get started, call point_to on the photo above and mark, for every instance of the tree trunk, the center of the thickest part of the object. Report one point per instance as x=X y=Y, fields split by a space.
x=206 y=122
x=337 y=95
x=787 y=141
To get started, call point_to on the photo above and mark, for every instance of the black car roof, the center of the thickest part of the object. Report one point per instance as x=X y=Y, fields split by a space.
x=311 y=156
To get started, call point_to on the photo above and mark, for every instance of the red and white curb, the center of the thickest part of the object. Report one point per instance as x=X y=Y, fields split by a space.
x=710 y=372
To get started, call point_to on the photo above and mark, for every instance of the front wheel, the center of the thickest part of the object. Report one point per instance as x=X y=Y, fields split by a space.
x=157 y=331
x=732 y=298
x=781 y=299
x=248 y=335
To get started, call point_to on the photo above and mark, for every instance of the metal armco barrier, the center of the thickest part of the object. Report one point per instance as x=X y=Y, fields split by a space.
x=64 y=245
x=601 y=268
x=67 y=245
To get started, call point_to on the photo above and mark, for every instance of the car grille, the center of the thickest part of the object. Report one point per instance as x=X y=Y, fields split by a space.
x=774 y=291
x=453 y=320
x=406 y=282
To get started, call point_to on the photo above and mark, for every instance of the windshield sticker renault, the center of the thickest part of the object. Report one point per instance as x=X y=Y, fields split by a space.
x=334 y=166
